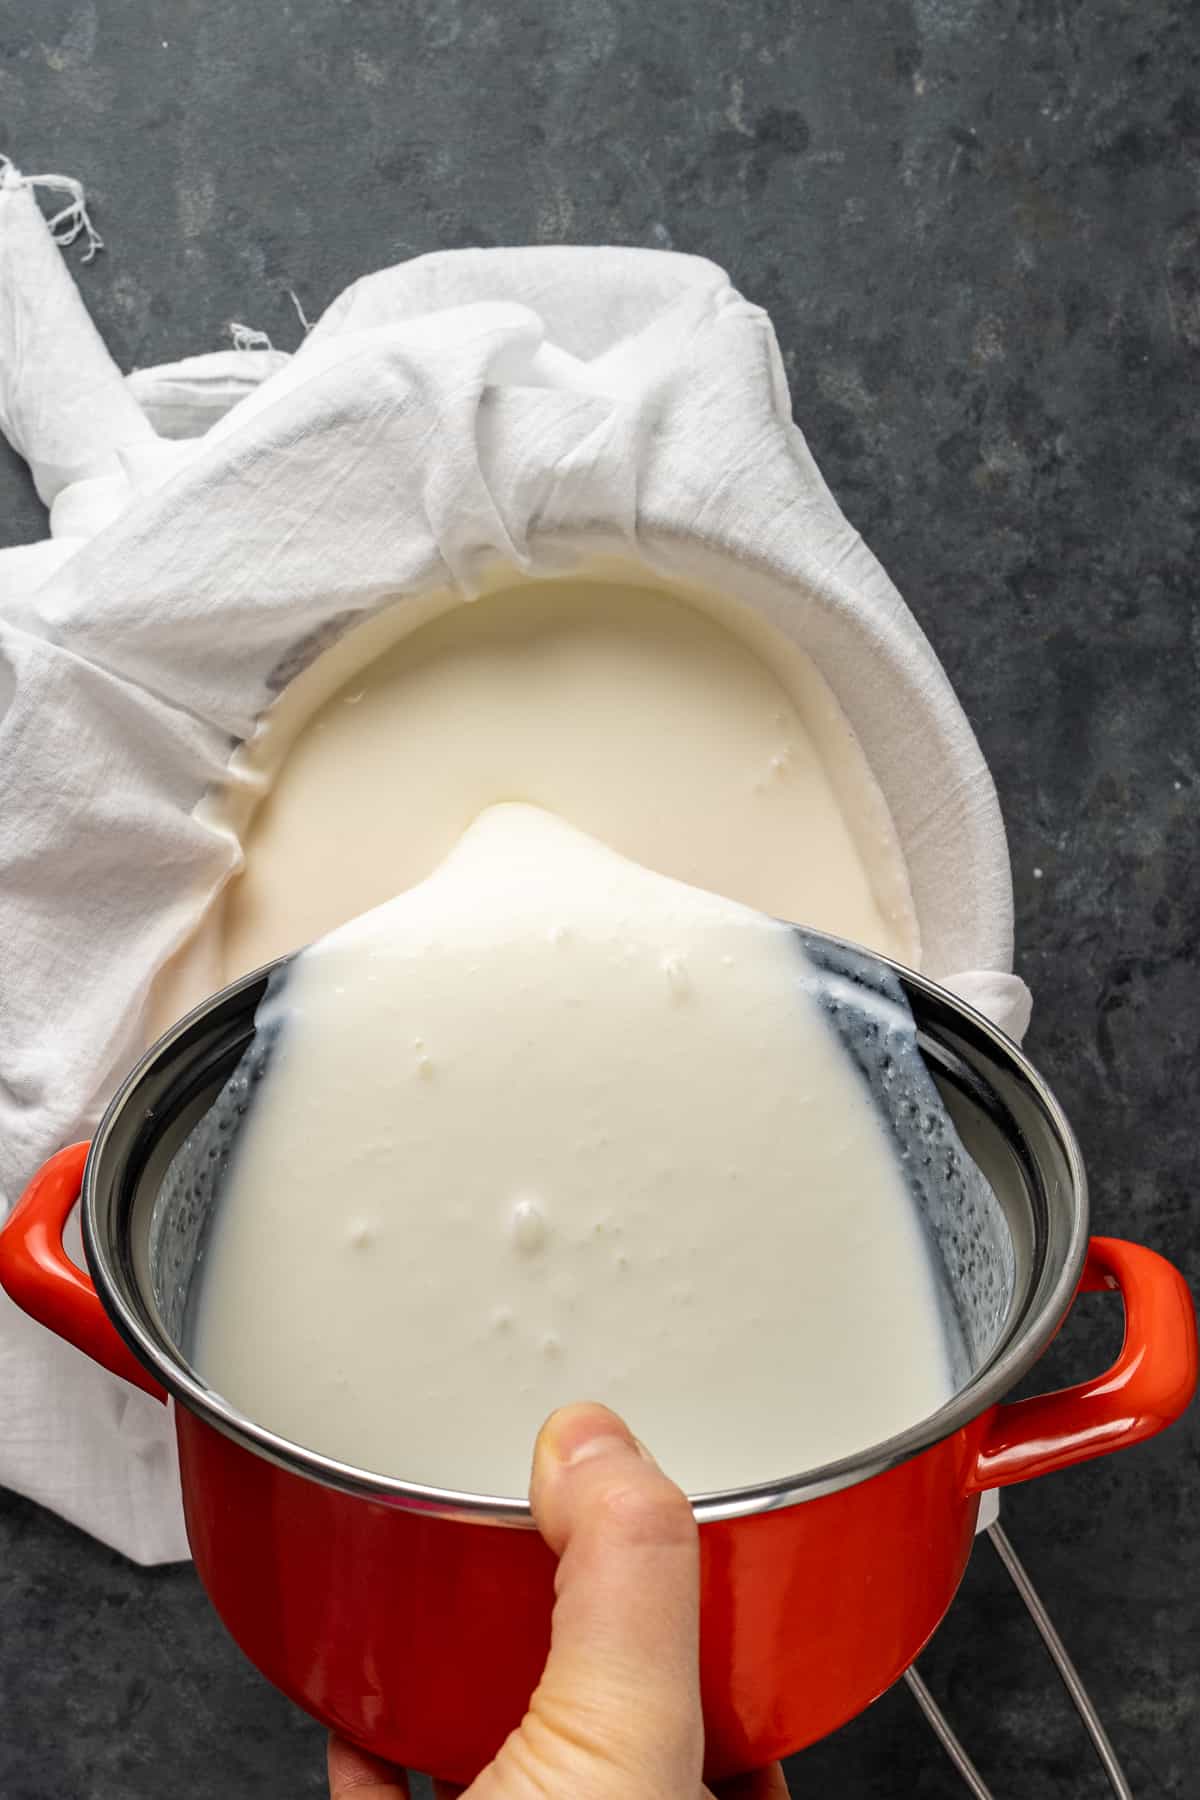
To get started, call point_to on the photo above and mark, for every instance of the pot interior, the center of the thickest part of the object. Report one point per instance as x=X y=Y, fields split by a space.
x=1006 y=1224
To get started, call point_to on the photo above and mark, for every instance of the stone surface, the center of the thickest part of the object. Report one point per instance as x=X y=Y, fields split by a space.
x=977 y=230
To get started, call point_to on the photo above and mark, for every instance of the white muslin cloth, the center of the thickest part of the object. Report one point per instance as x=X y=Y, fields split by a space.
x=215 y=523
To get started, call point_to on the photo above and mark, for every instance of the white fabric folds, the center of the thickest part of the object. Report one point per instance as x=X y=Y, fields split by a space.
x=214 y=523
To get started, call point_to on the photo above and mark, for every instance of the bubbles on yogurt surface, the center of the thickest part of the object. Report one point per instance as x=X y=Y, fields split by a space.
x=679 y=980
x=587 y=1191
x=528 y=1225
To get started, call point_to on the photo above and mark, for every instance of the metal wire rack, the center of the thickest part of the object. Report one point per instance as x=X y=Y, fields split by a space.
x=1083 y=1704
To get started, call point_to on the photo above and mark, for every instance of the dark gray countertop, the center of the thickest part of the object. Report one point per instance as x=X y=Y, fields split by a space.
x=976 y=225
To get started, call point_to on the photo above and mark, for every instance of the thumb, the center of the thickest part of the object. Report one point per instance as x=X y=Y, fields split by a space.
x=617 y=1710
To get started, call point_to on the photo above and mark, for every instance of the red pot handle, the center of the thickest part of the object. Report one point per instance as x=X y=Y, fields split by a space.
x=1147 y=1387
x=37 y=1273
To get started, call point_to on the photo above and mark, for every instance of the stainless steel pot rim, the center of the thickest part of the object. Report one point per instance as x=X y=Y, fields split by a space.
x=988 y=1387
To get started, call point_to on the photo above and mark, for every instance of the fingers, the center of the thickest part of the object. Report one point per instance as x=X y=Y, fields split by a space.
x=618 y=1706
x=353 y=1775
x=763 y=1784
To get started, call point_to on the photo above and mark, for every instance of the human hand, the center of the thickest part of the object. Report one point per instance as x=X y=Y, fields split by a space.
x=616 y=1715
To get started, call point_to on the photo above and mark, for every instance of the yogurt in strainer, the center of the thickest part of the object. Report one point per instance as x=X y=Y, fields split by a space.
x=550 y=1126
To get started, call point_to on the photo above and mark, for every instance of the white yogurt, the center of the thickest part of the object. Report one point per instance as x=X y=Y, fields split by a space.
x=546 y=1127
x=707 y=747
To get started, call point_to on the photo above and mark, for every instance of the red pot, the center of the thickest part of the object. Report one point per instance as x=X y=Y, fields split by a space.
x=417 y=1620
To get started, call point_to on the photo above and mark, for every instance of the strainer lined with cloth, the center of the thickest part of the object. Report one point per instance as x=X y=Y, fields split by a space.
x=533 y=406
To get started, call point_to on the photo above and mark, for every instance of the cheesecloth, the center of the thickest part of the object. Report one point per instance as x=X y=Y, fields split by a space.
x=215 y=523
